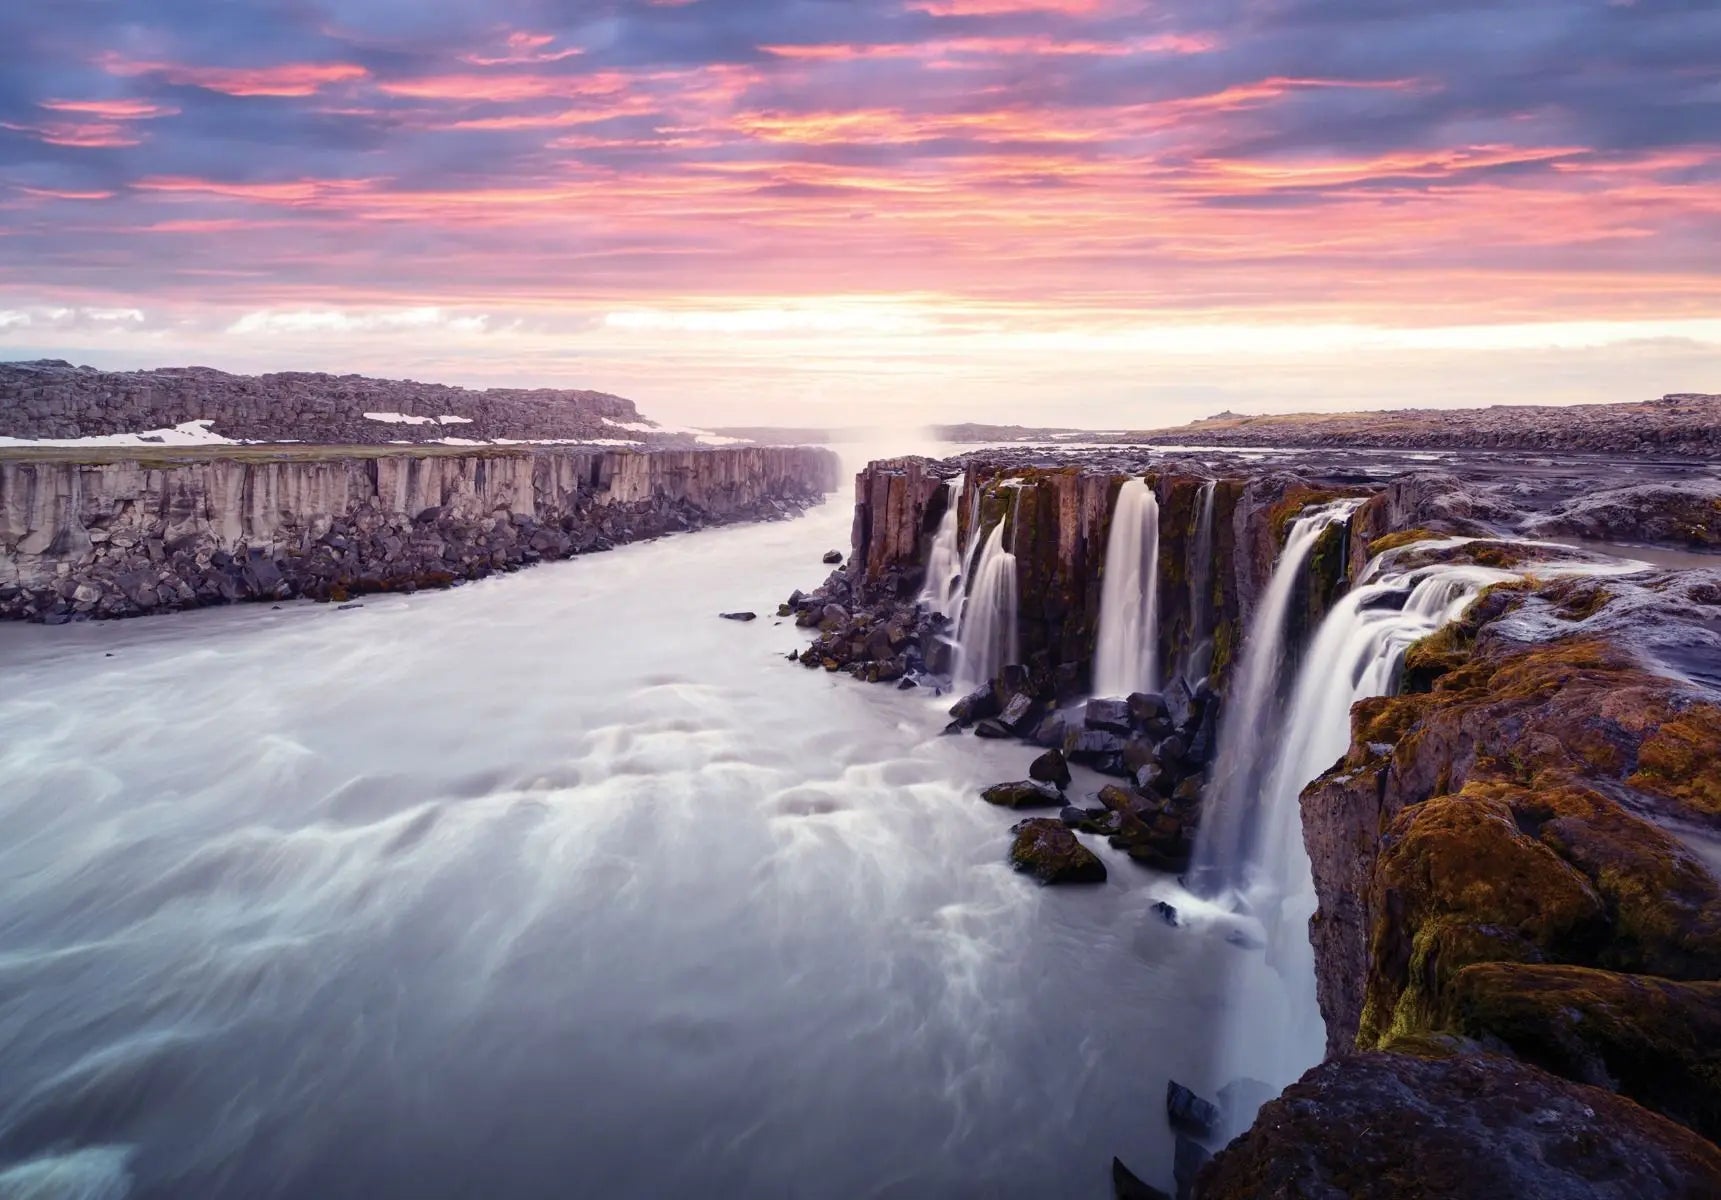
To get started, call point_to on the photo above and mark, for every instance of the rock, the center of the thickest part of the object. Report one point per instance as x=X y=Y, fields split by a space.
x=1188 y=1157
x=1111 y=716
x=1188 y=1112
x=953 y=728
x=1442 y=1126
x=1167 y=913
x=991 y=727
x=1052 y=854
x=1072 y=816
x=1119 y=799
x=1188 y=791
x=739 y=616
x=833 y=557
x=1179 y=704
x=1145 y=707
x=1021 y=715
x=1051 y=768
x=1125 y=1185
x=1026 y=794
x=976 y=706
x=1051 y=732
x=1173 y=749
x=1092 y=746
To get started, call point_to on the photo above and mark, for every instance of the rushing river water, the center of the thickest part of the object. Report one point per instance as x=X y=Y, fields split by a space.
x=551 y=885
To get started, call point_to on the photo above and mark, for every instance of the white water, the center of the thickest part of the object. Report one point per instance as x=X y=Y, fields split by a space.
x=943 y=588
x=554 y=884
x=1200 y=654
x=987 y=640
x=1127 y=648
x=1226 y=843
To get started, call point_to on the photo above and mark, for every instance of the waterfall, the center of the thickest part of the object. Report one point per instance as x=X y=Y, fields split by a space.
x=1124 y=658
x=986 y=638
x=1230 y=822
x=1200 y=654
x=943 y=588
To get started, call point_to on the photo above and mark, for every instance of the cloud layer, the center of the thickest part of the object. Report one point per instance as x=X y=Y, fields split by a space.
x=1107 y=164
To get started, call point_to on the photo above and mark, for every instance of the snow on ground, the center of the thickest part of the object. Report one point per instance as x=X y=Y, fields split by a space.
x=394 y=418
x=191 y=433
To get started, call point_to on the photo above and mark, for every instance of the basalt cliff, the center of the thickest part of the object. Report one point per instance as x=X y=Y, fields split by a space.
x=122 y=533
x=1512 y=847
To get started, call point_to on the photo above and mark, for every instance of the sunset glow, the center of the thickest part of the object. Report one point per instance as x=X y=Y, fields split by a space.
x=1095 y=211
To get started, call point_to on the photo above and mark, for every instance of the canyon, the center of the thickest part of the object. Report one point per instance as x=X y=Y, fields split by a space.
x=1443 y=745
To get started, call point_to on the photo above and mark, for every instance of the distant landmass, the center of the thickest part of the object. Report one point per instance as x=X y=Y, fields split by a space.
x=53 y=400
x=1686 y=424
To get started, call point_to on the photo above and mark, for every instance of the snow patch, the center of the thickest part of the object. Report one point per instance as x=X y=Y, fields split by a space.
x=190 y=433
x=394 y=418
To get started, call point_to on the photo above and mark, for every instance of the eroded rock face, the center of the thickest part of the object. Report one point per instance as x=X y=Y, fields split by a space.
x=1523 y=809
x=130 y=537
x=1403 y=1126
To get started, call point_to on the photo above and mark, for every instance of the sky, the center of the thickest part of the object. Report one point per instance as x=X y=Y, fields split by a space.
x=1105 y=213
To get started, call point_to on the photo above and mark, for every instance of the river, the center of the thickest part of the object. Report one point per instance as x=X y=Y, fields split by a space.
x=552 y=885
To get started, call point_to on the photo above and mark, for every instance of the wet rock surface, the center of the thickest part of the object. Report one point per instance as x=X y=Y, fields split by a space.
x=1398 y=1126
x=1049 y=852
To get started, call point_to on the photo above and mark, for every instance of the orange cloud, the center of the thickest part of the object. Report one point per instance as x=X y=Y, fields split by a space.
x=285 y=80
x=111 y=110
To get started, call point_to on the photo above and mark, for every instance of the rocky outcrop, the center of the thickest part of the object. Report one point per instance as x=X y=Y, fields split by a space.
x=1437 y=1125
x=53 y=399
x=128 y=537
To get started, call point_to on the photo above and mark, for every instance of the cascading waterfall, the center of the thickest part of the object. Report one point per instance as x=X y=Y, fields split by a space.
x=1230 y=821
x=1200 y=655
x=1127 y=649
x=1276 y=1032
x=986 y=637
x=942 y=591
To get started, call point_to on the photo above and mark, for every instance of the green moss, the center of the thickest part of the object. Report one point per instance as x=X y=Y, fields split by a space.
x=1403 y=537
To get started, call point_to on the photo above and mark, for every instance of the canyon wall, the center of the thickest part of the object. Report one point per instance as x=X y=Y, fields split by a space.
x=118 y=538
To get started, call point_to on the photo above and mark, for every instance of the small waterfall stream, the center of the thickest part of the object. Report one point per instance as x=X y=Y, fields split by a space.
x=986 y=637
x=1227 y=841
x=942 y=591
x=1127 y=649
x=1199 y=658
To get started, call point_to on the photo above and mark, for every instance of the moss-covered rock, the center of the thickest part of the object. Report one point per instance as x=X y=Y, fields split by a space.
x=1655 y=1040
x=1049 y=852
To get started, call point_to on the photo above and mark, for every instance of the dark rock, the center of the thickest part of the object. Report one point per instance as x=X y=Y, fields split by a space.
x=1173 y=749
x=739 y=616
x=1167 y=912
x=1145 y=707
x=1052 y=854
x=1092 y=746
x=833 y=557
x=976 y=706
x=1119 y=799
x=1051 y=732
x=1188 y=1112
x=1026 y=794
x=991 y=727
x=1072 y=816
x=1188 y=791
x=1111 y=716
x=1051 y=768
x=953 y=727
x=1021 y=715
x=1125 y=1185
x=1188 y=1156
x=1436 y=1125
x=1138 y=753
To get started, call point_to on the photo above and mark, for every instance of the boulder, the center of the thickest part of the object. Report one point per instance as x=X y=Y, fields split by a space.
x=1025 y=794
x=1439 y=1125
x=832 y=557
x=739 y=616
x=1049 y=852
x=1021 y=714
x=993 y=728
x=1145 y=707
x=1112 y=716
x=1188 y=1112
x=1051 y=768
x=976 y=706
